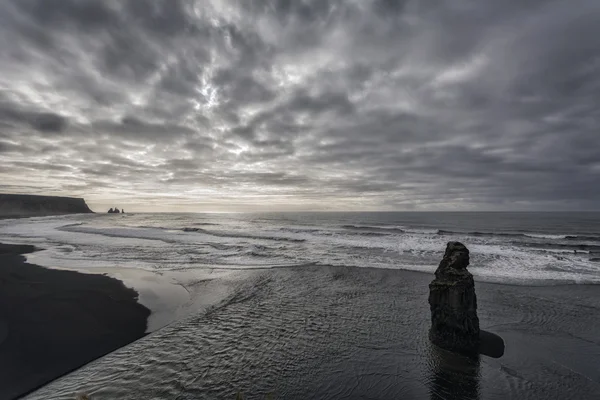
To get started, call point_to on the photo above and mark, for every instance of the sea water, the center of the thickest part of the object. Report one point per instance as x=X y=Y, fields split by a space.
x=316 y=305
x=515 y=248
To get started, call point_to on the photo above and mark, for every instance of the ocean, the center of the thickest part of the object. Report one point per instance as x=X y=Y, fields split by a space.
x=515 y=248
x=333 y=305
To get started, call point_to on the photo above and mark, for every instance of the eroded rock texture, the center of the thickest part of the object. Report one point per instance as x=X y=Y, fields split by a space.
x=454 y=321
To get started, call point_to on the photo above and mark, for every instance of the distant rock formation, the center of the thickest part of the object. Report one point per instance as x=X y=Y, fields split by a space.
x=114 y=211
x=25 y=205
x=454 y=321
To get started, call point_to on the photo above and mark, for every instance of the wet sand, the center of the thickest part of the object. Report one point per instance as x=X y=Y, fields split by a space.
x=54 y=321
x=341 y=332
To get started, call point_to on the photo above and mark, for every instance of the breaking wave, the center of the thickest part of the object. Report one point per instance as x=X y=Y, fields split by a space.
x=192 y=241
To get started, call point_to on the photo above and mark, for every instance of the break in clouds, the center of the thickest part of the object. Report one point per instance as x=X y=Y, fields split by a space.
x=316 y=105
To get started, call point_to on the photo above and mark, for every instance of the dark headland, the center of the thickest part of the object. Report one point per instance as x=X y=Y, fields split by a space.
x=54 y=321
x=26 y=205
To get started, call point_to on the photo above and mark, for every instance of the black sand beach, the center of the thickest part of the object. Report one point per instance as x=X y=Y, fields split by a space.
x=354 y=333
x=54 y=321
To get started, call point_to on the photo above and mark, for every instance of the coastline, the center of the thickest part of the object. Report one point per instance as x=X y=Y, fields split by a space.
x=54 y=321
x=270 y=328
x=316 y=331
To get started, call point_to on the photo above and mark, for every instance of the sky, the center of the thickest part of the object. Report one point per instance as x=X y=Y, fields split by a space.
x=246 y=105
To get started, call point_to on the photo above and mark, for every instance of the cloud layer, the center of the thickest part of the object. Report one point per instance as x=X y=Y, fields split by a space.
x=320 y=104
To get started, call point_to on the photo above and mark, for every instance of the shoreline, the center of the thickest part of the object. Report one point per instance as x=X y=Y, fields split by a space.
x=170 y=295
x=314 y=331
x=54 y=321
x=530 y=283
x=159 y=293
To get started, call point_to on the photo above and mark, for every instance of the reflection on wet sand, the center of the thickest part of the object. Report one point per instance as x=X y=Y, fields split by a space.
x=452 y=375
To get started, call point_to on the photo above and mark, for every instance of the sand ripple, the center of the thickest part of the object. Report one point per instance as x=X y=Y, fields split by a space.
x=349 y=333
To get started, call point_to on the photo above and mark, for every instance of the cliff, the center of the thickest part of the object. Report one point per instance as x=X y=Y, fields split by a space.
x=25 y=205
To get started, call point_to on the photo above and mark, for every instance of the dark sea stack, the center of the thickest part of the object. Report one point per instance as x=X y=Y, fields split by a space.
x=111 y=211
x=25 y=205
x=454 y=321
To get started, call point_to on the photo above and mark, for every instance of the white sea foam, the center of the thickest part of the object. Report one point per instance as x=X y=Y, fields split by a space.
x=545 y=236
x=159 y=242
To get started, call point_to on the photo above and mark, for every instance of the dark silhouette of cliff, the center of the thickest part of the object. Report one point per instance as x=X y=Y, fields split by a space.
x=26 y=205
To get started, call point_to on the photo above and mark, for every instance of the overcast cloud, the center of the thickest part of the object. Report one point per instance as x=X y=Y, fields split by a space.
x=314 y=105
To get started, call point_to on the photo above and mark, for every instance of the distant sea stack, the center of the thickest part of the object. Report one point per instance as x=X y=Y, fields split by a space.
x=25 y=205
x=454 y=321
